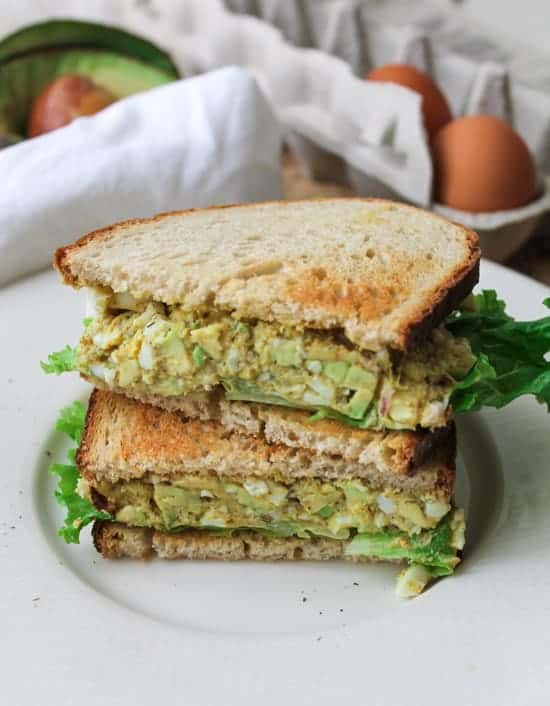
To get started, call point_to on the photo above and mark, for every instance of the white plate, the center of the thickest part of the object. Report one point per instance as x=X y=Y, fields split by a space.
x=75 y=629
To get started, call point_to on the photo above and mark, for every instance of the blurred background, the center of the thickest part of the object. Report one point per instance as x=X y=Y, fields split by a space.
x=515 y=22
x=113 y=110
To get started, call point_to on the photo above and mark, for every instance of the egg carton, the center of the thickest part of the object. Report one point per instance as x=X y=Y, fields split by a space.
x=476 y=75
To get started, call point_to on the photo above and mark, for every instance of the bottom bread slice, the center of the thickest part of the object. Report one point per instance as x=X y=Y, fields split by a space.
x=114 y=540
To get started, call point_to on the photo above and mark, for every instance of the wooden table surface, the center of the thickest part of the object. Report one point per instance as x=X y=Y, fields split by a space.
x=533 y=259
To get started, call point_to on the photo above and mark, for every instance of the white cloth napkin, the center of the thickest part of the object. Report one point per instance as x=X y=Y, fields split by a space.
x=208 y=140
x=374 y=130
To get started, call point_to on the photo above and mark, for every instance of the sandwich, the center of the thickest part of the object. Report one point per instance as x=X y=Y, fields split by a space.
x=331 y=306
x=188 y=489
x=278 y=380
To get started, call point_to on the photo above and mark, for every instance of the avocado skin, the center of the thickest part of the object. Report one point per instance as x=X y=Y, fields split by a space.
x=24 y=78
x=57 y=34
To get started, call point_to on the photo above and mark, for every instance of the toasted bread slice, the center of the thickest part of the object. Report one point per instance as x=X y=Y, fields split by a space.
x=384 y=273
x=125 y=439
x=115 y=541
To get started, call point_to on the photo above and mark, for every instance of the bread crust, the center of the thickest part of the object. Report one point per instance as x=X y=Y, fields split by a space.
x=450 y=296
x=315 y=296
x=124 y=439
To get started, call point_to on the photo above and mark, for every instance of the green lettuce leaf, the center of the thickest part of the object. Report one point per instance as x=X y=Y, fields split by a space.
x=511 y=355
x=431 y=548
x=62 y=361
x=369 y=420
x=80 y=511
x=71 y=421
x=240 y=390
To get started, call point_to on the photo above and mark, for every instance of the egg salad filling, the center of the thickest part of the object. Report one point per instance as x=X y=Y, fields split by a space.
x=302 y=507
x=151 y=348
x=147 y=347
x=425 y=532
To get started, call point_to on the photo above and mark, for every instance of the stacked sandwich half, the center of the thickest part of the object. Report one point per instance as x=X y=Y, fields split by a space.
x=274 y=382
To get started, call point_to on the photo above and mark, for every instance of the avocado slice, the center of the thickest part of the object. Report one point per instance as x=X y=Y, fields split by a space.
x=359 y=379
x=358 y=404
x=23 y=79
x=286 y=354
x=336 y=371
x=236 y=389
x=56 y=34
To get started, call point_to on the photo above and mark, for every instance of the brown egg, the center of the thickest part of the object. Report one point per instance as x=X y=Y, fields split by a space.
x=434 y=104
x=64 y=100
x=481 y=164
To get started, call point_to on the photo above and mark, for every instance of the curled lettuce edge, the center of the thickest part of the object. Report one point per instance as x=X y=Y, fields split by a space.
x=80 y=511
x=63 y=361
x=510 y=355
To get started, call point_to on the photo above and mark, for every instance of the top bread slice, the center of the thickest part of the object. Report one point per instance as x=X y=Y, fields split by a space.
x=382 y=272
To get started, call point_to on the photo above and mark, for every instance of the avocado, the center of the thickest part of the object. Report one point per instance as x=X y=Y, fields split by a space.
x=236 y=389
x=358 y=404
x=172 y=346
x=8 y=140
x=176 y=504
x=258 y=504
x=336 y=371
x=357 y=494
x=128 y=372
x=72 y=34
x=359 y=379
x=286 y=354
x=177 y=359
x=31 y=59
